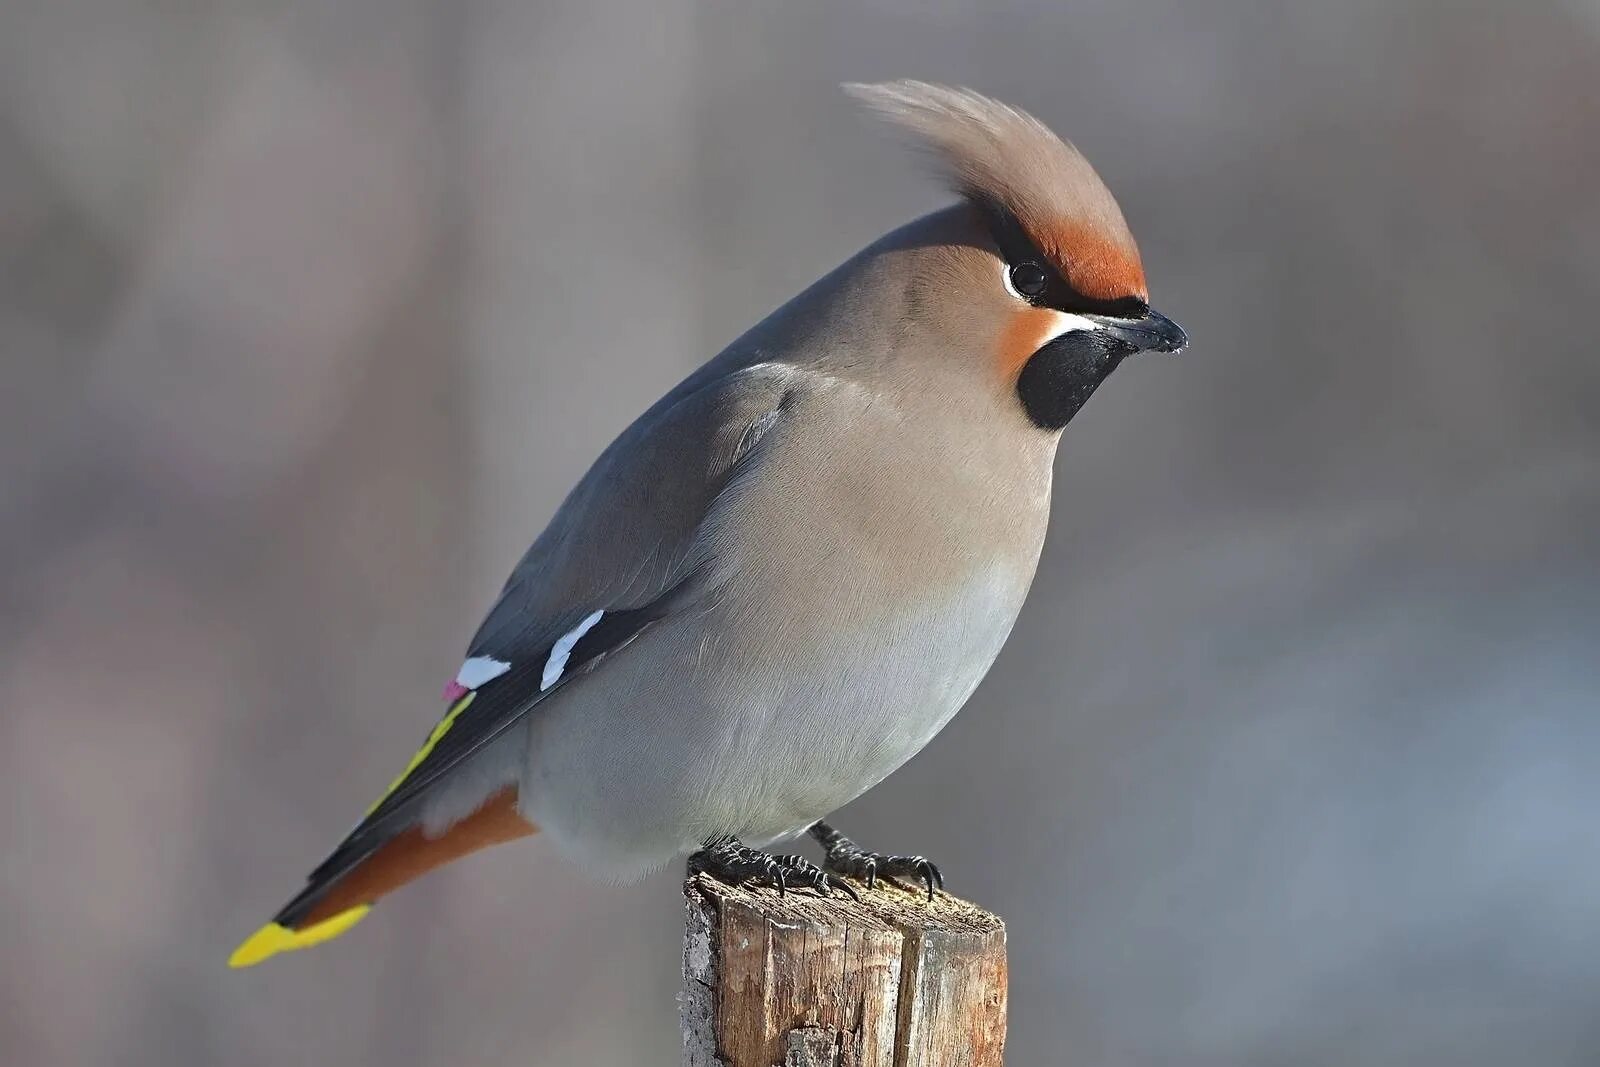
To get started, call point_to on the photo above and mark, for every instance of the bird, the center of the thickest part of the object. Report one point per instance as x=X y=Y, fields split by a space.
x=782 y=580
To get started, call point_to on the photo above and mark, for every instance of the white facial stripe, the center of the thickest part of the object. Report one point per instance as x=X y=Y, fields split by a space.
x=480 y=669
x=1066 y=322
x=563 y=648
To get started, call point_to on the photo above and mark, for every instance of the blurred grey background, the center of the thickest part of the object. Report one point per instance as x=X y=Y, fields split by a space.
x=310 y=312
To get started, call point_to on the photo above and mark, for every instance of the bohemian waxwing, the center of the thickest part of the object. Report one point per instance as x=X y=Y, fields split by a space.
x=780 y=582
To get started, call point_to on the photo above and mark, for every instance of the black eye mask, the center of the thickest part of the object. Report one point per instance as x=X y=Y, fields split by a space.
x=1022 y=255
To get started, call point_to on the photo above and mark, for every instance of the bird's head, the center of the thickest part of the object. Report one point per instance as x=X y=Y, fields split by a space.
x=1037 y=269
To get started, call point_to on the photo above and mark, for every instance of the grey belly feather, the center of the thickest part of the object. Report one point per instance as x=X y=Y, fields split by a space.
x=753 y=722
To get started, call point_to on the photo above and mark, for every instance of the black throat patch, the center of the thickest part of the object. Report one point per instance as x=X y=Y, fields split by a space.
x=1058 y=379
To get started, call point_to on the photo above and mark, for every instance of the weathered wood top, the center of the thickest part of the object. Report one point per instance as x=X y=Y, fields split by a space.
x=805 y=981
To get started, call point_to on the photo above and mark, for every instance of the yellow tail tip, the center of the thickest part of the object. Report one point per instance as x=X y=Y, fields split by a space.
x=272 y=939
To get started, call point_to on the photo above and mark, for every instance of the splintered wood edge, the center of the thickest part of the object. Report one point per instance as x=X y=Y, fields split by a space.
x=697 y=1004
x=952 y=953
x=904 y=910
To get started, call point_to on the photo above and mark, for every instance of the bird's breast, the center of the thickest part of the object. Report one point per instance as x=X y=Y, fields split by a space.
x=876 y=571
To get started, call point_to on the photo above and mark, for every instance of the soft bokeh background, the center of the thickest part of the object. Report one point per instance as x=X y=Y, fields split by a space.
x=311 y=311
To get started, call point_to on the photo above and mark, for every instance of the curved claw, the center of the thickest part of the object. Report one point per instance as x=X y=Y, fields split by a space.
x=919 y=868
x=738 y=864
x=815 y=877
x=847 y=858
x=931 y=875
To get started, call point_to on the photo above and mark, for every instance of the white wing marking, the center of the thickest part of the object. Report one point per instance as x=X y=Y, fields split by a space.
x=480 y=669
x=563 y=648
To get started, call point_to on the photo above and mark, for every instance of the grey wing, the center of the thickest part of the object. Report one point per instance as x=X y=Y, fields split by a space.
x=623 y=552
x=630 y=530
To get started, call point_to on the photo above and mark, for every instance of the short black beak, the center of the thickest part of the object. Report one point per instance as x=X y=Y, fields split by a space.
x=1152 y=333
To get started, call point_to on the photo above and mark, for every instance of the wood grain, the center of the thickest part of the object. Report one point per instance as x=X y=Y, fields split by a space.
x=807 y=981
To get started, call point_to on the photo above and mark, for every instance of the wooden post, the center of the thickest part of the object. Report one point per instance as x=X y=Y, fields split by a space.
x=808 y=981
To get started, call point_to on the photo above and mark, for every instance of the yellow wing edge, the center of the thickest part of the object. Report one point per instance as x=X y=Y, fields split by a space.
x=272 y=939
x=434 y=738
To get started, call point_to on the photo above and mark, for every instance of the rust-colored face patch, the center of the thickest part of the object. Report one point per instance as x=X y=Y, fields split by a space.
x=1025 y=330
x=1091 y=262
x=413 y=854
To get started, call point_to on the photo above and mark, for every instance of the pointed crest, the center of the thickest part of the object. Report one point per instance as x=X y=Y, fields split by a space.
x=1001 y=157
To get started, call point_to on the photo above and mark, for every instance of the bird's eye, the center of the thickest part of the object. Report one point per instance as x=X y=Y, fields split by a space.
x=1029 y=279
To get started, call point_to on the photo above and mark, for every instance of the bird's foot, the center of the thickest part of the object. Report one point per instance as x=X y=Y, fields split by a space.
x=739 y=864
x=844 y=856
